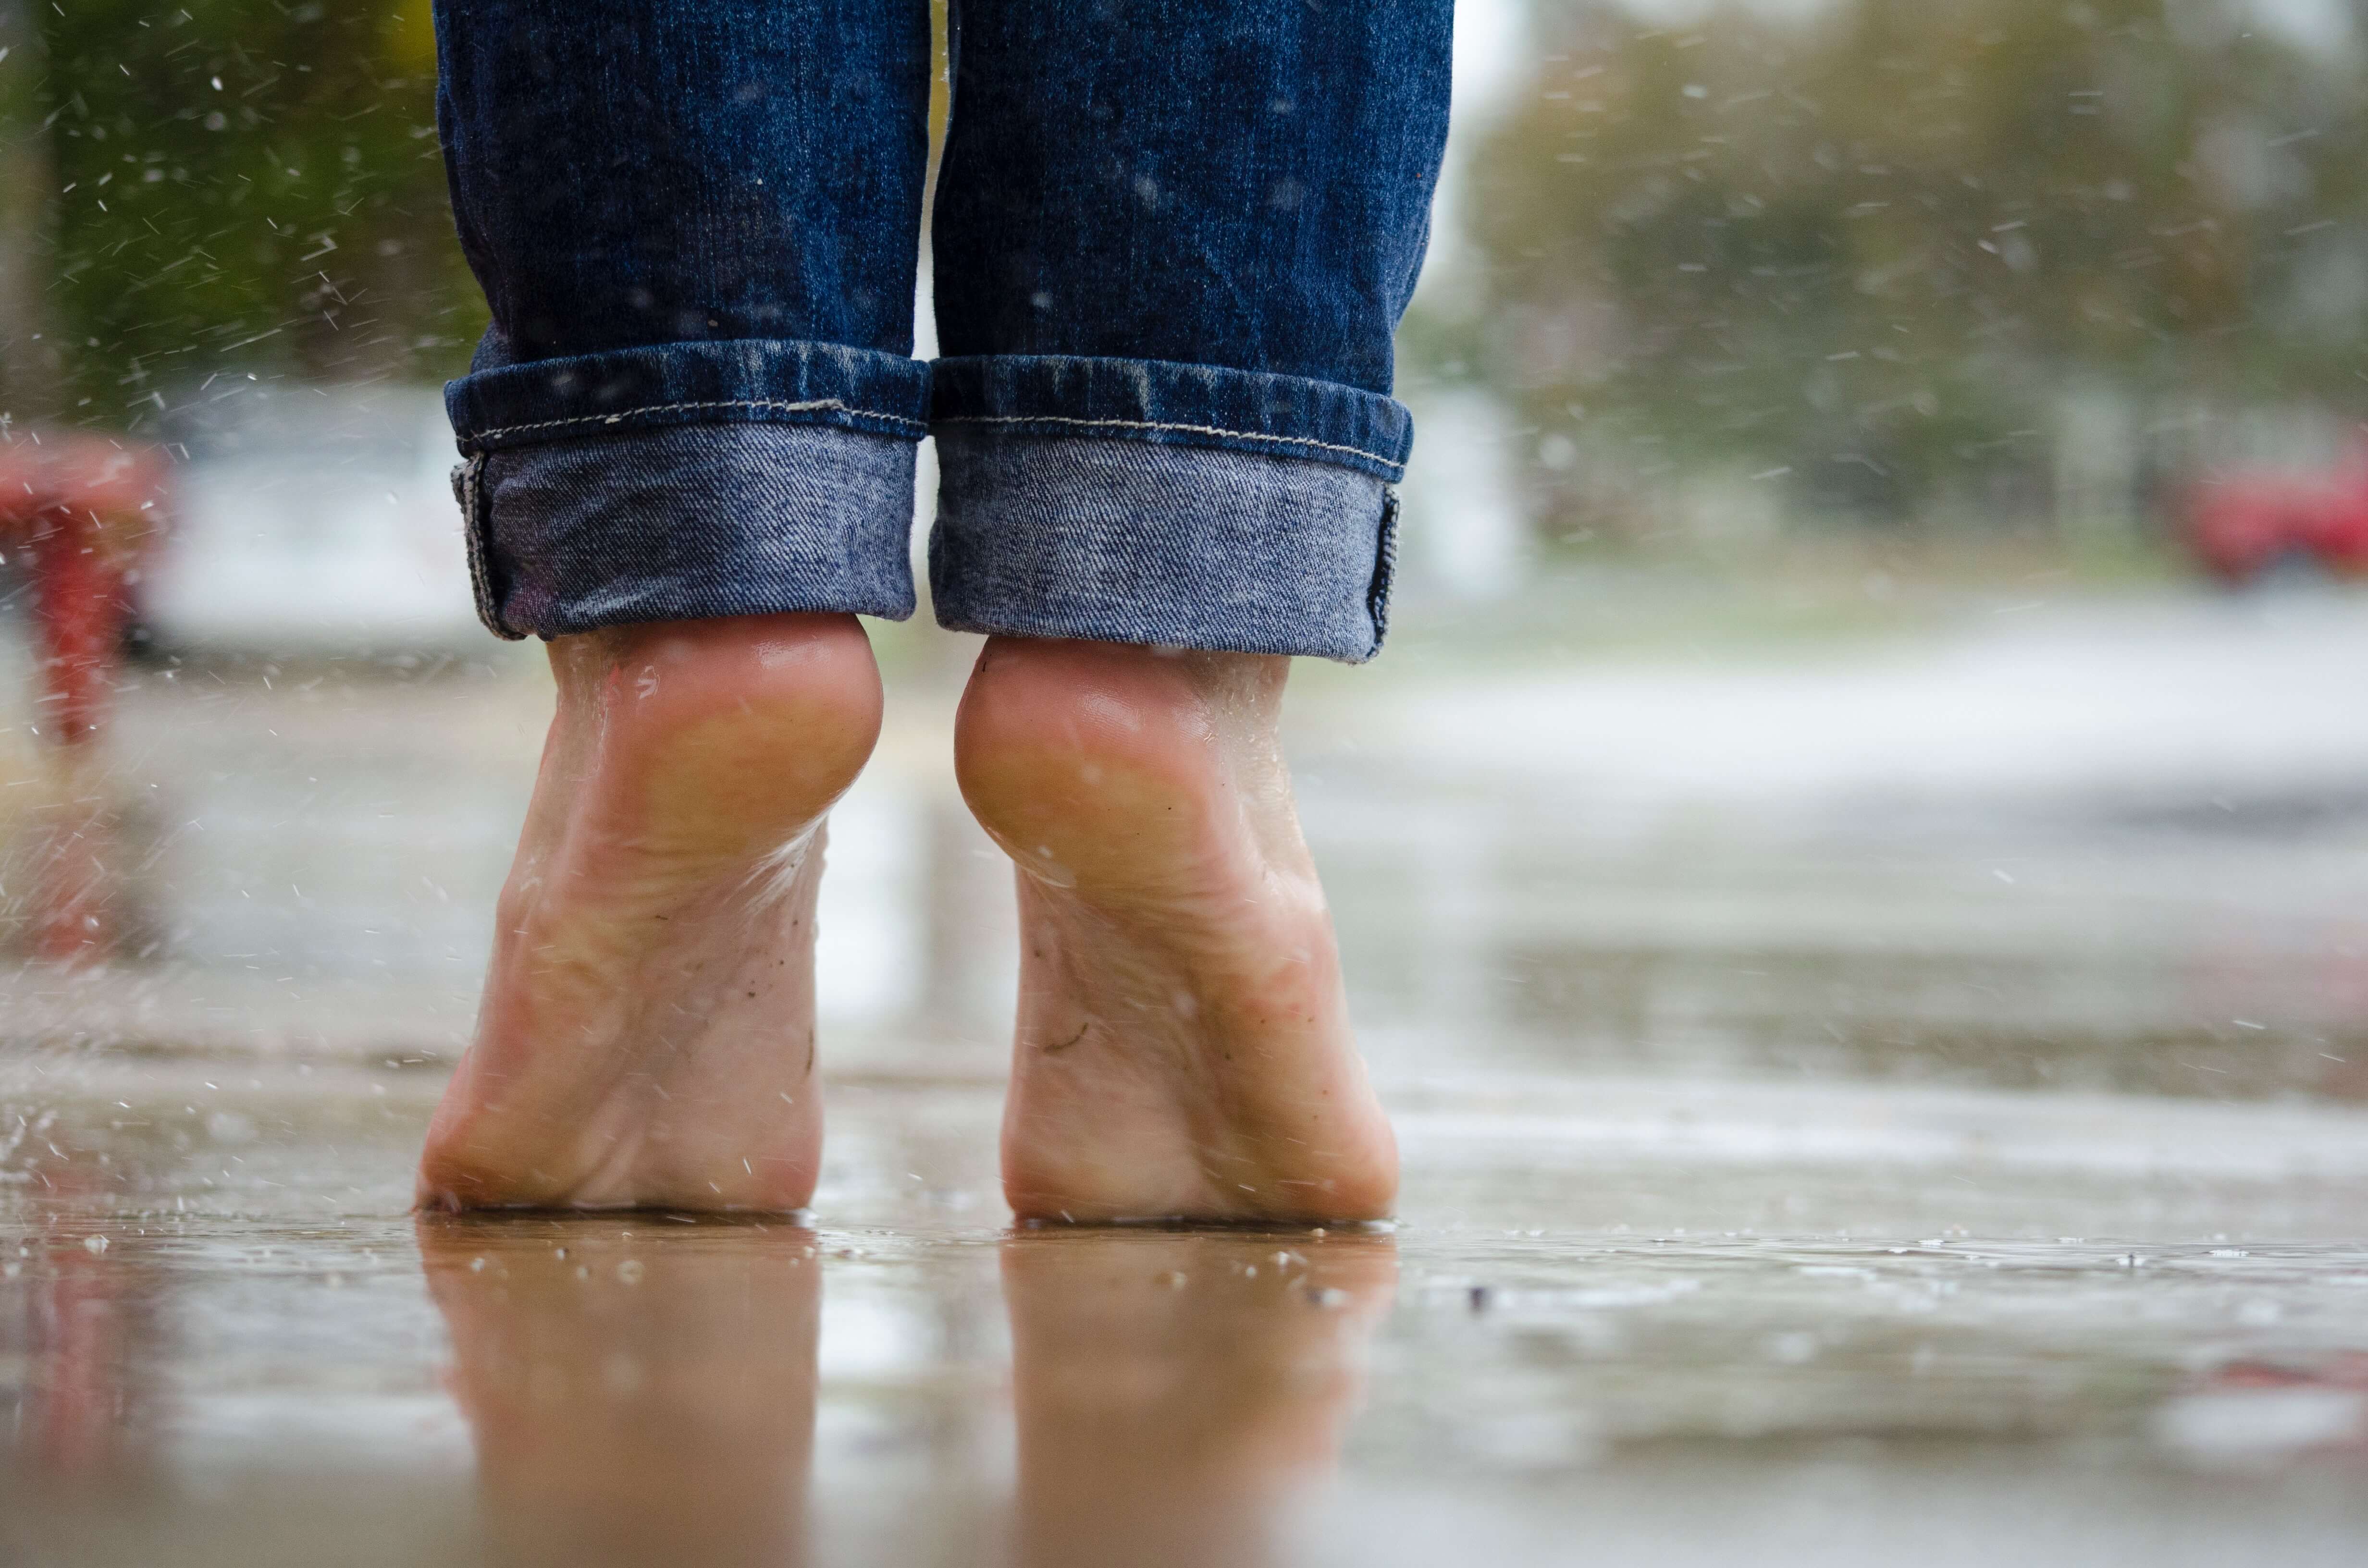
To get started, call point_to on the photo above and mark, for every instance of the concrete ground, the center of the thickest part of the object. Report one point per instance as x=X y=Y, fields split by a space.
x=1860 y=1103
x=1625 y=1319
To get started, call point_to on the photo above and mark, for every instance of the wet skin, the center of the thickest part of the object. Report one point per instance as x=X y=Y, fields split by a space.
x=647 y=1037
x=1183 y=1045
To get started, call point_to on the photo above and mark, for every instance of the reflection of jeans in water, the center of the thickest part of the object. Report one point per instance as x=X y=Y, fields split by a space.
x=1172 y=241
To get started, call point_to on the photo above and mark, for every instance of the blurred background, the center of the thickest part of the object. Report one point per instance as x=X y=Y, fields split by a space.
x=1868 y=787
x=1876 y=599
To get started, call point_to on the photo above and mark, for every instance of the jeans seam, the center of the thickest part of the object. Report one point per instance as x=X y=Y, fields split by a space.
x=477 y=528
x=816 y=406
x=1158 y=424
x=1386 y=571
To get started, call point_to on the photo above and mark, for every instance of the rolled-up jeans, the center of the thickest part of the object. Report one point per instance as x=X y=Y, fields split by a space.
x=1172 y=241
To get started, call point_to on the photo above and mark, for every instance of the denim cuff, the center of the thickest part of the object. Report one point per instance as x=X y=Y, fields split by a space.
x=1180 y=506
x=1131 y=541
x=687 y=480
x=687 y=524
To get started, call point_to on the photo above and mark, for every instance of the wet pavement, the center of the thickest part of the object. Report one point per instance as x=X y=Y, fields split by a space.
x=1813 y=1153
x=1973 y=886
x=1620 y=1320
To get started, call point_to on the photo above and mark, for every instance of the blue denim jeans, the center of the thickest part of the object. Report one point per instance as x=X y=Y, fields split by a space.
x=1170 y=243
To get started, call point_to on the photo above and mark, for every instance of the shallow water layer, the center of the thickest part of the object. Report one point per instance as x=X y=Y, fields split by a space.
x=1621 y=1319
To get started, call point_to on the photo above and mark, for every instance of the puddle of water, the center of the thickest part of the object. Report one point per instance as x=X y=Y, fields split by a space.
x=1797 y=1324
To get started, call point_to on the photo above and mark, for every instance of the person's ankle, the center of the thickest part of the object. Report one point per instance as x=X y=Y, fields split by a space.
x=728 y=721
x=1056 y=741
x=801 y=652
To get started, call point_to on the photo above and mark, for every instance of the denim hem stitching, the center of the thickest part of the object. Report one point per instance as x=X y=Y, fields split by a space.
x=817 y=406
x=1154 y=425
x=477 y=528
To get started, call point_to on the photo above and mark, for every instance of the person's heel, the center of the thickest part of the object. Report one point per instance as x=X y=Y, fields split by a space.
x=1182 y=1047
x=646 y=1037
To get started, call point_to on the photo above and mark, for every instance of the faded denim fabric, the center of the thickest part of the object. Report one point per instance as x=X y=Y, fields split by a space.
x=1171 y=242
x=1128 y=541
x=837 y=510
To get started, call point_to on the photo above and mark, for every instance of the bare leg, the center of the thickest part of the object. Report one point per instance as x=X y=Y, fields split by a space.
x=648 y=1032
x=1183 y=1045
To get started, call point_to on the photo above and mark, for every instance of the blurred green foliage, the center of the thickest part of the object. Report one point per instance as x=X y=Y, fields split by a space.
x=1871 y=247
x=224 y=187
x=243 y=185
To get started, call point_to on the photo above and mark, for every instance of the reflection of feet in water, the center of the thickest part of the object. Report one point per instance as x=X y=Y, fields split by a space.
x=637 y=1393
x=648 y=1032
x=1183 y=1043
x=1175 y=1390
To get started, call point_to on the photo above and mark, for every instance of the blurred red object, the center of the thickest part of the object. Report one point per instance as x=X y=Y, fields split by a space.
x=85 y=511
x=2242 y=526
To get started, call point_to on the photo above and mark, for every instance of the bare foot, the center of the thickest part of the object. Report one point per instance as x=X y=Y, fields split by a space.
x=1183 y=1044
x=646 y=1038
